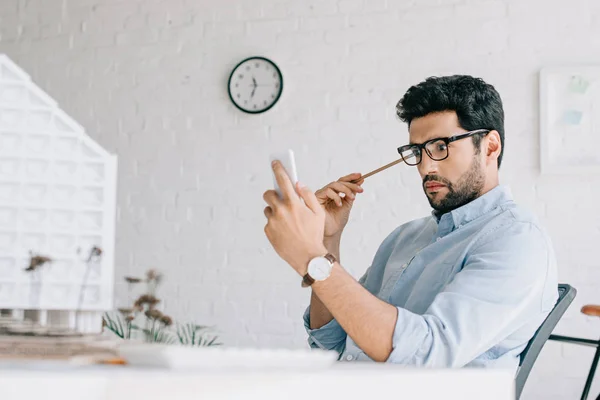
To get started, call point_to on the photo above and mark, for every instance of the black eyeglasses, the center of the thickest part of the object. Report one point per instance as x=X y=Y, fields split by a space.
x=436 y=149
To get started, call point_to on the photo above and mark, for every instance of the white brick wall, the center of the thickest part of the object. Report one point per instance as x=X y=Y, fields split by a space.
x=148 y=80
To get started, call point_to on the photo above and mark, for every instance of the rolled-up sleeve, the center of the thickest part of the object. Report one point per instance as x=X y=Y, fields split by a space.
x=330 y=336
x=505 y=283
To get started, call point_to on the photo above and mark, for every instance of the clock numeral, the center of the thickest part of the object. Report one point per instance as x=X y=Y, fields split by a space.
x=247 y=68
x=265 y=102
x=245 y=101
x=256 y=65
x=274 y=75
x=272 y=96
x=255 y=106
x=238 y=95
x=241 y=76
x=277 y=85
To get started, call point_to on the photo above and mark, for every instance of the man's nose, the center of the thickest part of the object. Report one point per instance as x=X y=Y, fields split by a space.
x=427 y=165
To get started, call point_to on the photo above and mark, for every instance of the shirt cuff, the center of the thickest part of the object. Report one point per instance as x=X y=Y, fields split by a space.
x=330 y=336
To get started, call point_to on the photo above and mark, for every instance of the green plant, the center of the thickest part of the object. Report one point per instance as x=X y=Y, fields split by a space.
x=196 y=335
x=155 y=326
x=117 y=325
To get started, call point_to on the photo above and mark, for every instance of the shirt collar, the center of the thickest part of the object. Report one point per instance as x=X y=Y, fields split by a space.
x=476 y=208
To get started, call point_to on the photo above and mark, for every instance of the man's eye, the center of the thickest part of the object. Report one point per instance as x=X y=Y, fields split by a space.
x=441 y=146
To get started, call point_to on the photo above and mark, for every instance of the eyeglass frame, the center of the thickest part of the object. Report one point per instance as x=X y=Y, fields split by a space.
x=446 y=140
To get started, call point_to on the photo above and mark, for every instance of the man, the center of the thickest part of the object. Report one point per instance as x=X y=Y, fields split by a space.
x=467 y=286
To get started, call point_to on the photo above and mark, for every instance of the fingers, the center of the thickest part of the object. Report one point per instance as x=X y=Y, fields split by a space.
x=354 y=187
x=332 y=194
x=342 y=190
x=283 y=180
x=309 y=198
x=353 y=176
x=271 y=198
x=268 y=212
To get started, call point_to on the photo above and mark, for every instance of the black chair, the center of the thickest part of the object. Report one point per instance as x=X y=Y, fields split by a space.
x=566 y=294
x=594 y=311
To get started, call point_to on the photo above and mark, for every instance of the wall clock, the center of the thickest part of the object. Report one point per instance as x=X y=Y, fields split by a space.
x=255 y=85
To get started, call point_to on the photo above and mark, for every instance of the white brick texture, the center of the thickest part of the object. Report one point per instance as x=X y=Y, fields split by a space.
x=147 y=78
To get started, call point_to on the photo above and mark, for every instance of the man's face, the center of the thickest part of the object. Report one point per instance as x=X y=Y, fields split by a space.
x=460 y=178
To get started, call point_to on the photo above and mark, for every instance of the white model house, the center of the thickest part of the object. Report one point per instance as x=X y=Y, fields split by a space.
x=57 y=200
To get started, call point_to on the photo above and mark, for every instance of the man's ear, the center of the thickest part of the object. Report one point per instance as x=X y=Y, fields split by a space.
x=493 y=146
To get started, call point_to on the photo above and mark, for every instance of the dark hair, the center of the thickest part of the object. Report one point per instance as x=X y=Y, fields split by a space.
x=476 y=103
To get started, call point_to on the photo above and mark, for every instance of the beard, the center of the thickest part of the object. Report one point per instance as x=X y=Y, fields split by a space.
x=468 y=187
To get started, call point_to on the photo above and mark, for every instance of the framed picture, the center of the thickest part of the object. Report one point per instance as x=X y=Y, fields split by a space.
x=570 y=119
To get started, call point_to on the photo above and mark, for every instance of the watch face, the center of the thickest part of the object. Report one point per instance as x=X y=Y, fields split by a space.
x=255 y=85
x=319 y=268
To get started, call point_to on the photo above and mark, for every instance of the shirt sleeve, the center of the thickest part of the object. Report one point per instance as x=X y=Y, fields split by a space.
x=503 y=286
x=330 y=336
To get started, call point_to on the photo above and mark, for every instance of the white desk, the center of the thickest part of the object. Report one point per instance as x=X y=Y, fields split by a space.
x=344 y=381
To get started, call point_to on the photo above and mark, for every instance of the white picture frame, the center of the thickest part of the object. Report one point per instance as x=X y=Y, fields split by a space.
x=569 y=118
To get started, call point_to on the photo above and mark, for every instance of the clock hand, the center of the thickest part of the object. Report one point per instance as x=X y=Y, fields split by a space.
x=253 y=90
x=254 y=80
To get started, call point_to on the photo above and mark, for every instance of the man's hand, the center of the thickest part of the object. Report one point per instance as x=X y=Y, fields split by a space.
x=294 y=229
x=337 y=199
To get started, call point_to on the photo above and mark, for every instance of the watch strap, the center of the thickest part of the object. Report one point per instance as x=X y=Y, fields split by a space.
x=307 y=280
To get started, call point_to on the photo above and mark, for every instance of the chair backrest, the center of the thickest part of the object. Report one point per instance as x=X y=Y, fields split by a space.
x=566 y=294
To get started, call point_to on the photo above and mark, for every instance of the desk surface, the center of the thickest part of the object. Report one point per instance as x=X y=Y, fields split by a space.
x=346 y=381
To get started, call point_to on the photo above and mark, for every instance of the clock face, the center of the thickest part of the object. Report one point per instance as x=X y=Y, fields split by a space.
x=319 y=268
x=255 y=85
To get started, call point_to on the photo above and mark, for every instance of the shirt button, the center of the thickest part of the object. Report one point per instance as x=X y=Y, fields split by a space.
x=349 y=357
x=438 y=239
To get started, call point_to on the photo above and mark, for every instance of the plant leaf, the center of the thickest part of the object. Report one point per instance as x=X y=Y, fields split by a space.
x=112 y=326
x=118 y=323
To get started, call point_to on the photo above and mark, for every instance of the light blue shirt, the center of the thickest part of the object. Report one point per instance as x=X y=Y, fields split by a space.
x=471 y=287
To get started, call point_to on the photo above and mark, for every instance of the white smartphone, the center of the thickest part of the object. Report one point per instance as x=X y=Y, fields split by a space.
x=289 y=164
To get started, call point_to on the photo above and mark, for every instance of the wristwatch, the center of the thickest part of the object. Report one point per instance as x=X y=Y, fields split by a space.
x=319 y=269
